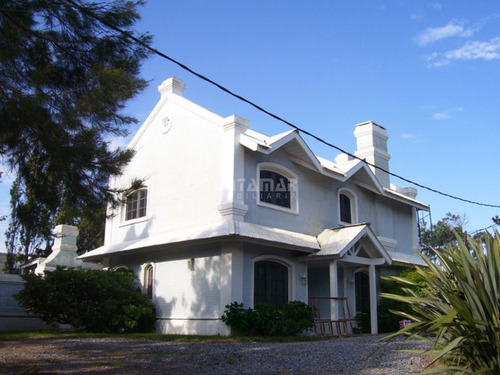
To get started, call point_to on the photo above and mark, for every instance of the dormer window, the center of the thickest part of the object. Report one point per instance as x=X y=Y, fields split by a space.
x=136 y=204
x=277 y=187
x=347 y=207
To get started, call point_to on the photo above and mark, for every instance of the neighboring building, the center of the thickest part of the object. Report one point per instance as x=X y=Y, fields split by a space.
x=228 y=214
x=13 y=317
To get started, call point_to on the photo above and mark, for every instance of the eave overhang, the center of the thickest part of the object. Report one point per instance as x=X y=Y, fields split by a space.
x=221 y=231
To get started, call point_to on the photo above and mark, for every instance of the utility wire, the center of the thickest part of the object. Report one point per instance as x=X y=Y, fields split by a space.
x=483 y=229
x=261 y=109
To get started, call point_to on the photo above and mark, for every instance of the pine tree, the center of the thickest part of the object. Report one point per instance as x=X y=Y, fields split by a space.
x=65 y=77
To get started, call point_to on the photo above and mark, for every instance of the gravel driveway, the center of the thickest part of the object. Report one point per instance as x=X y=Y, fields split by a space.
x=347 y=355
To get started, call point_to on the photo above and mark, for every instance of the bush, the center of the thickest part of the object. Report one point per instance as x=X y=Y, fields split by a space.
x=269 y=320
x=88 y=300
x=459 y=310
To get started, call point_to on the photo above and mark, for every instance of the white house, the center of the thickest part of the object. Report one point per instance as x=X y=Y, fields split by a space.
x=229 y=214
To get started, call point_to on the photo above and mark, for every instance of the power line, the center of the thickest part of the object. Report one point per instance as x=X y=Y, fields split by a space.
x=483 y=229
x=261 y=109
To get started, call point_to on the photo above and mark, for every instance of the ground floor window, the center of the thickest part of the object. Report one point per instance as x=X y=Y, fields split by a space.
x=148 y=280
x=362 y=291
x=270 y=283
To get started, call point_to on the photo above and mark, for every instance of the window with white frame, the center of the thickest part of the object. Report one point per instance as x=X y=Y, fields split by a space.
x=277 y=187
x=136 y=204
x=347 y=207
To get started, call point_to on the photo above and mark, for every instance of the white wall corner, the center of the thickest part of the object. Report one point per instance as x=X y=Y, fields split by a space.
x=172 y=85
x=235 y=122
x=233 y=165
x=231 y=274
x=234 y=209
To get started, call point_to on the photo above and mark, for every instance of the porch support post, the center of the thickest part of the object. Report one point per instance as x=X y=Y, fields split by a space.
x=334 y=289
x=373 y=299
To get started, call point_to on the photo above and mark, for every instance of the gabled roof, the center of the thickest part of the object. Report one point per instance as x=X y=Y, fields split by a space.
x=291 y=141
x=335 y=243
x=300 y=153
x=171 y=93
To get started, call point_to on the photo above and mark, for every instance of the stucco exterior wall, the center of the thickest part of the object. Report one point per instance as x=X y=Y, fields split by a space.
x=318 y=205
x=187 y=299
x=191 y=301
x=316 y=202
x=181 y=169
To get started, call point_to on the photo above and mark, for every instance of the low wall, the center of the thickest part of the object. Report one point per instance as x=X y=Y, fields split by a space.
x=12 y=315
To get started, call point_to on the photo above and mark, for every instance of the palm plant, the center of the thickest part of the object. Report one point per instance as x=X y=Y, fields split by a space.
x=459 y=311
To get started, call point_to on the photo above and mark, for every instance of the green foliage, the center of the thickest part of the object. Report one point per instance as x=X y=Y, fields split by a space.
x=442 y=233
x=64 y=82
x=459 y=310
x=88 y=300
x=388 y=320
x=269 y=320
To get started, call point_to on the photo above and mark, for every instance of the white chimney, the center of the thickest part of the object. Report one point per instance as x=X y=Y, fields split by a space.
x=371 y=140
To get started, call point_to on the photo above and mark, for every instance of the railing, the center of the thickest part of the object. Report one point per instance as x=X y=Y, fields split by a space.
x=341 y=325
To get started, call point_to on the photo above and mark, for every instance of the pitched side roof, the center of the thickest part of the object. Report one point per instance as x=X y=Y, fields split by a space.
x=251 y=232
x=330 y=244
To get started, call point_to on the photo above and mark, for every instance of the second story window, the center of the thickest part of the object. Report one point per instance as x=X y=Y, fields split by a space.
x=136 y=204
x=277 y=188
x=347 y=207
x=274 y=188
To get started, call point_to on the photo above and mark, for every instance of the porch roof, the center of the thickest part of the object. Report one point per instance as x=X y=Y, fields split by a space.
x=335 y=243
x=407 y=259
x=249 y=231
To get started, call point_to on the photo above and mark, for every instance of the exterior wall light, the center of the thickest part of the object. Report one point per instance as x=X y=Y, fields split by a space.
x=191 y=264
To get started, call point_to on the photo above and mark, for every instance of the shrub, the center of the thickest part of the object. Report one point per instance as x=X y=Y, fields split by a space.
x=387 y=318
x=88 y=300
x=459 y=310
x=269 y=320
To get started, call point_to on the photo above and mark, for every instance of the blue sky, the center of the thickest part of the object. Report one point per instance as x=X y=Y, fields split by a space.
x=427 y=71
